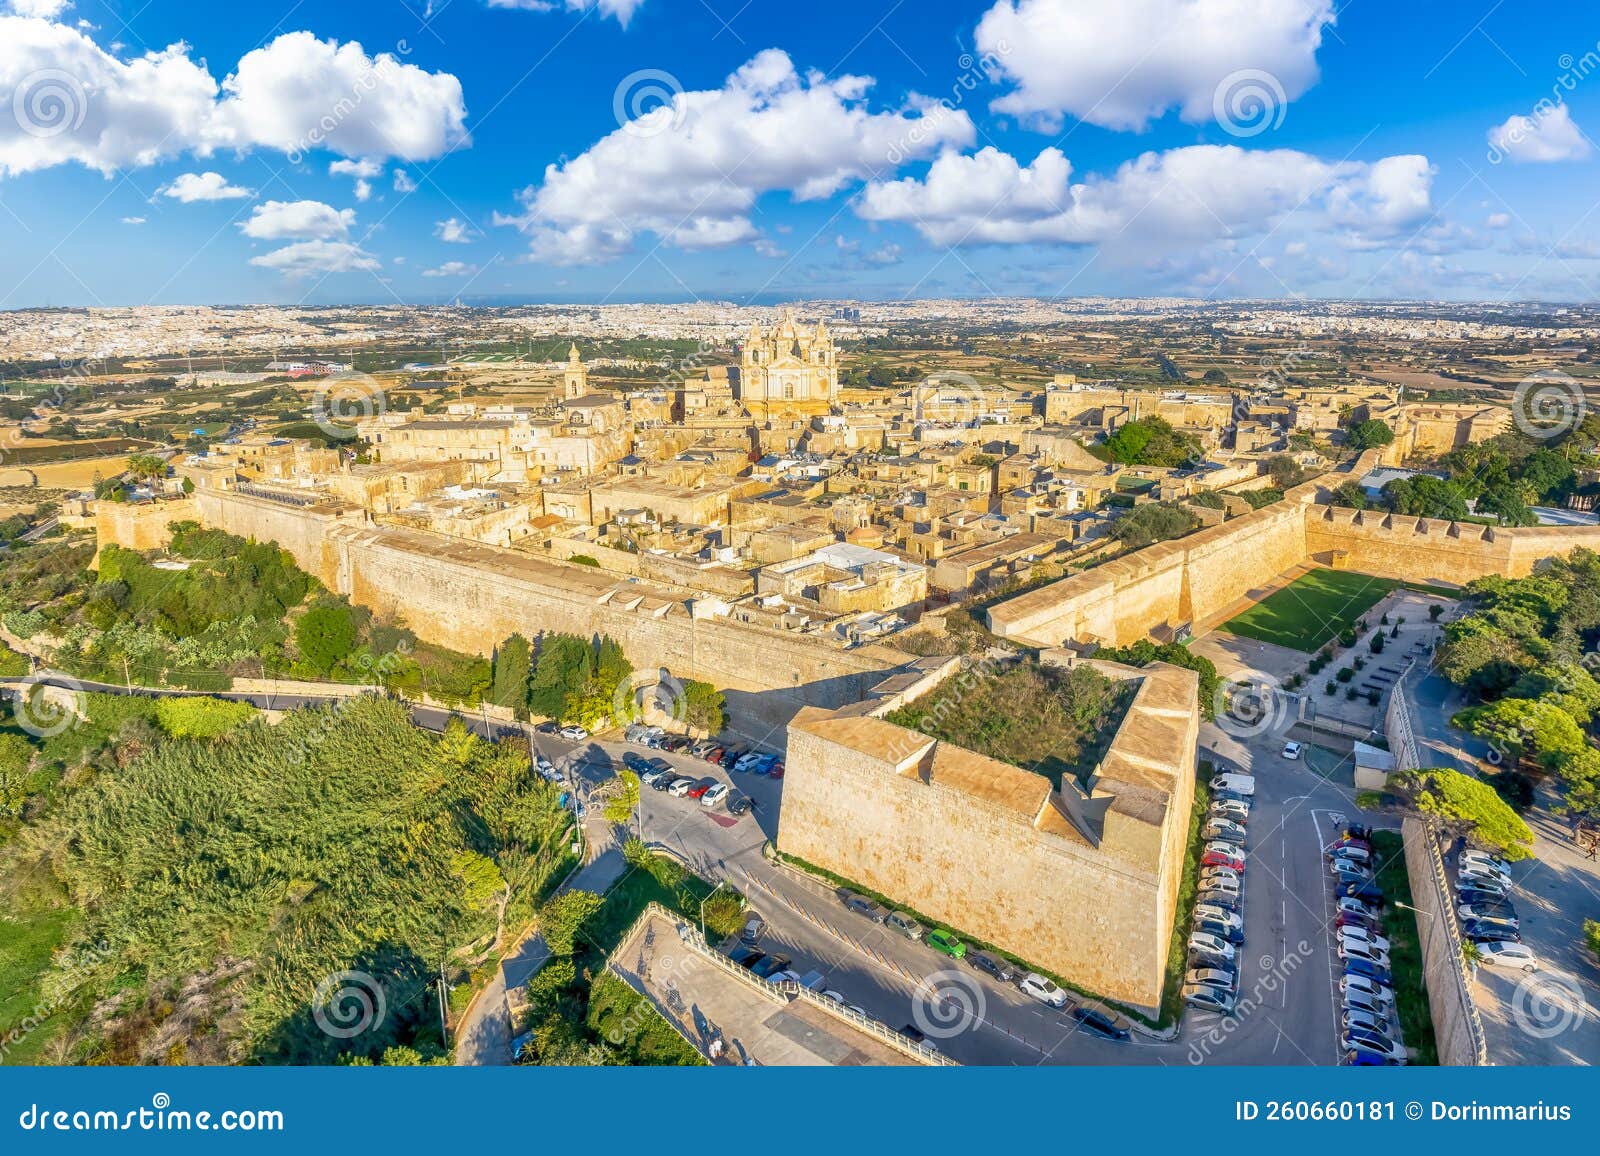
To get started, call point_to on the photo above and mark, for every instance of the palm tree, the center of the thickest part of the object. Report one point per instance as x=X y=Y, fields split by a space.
x=146 y=467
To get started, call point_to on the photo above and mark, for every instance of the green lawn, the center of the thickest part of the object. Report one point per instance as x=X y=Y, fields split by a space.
x=1312 y=609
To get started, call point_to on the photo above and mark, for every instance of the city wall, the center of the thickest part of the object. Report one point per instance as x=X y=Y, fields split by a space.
x=1193 y=579
x=470 y=597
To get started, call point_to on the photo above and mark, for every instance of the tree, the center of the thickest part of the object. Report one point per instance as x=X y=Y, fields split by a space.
x=325 y=636
x=1459 y=798
x=1368 y=435
x=1152 y=441
x=1591 y=936
x=563 y=918
x=1426 y=497
x=1153 y=522
x=705 y=707
x=513 y=666
x=1351 y=495
x=1284 y=471
x=146 y=467
x=1521 y=726
x=623 y=799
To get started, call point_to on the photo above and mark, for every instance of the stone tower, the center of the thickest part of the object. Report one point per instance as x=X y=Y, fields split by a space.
x=574 y=375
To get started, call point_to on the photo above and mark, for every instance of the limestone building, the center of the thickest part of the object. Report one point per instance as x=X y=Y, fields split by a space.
x=788 y=371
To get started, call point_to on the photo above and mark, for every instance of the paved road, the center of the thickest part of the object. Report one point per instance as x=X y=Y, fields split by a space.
x=1552 y=1017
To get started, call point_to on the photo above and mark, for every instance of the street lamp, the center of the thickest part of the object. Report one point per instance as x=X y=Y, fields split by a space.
x=720 y=885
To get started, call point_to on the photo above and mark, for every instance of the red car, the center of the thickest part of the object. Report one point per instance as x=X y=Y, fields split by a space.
x=714 y=755
x=701 y=788
x=1218 y=859
x=777 y=770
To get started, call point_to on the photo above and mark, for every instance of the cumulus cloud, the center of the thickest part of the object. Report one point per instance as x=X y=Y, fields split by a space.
x=310 y=258
x=452 y=269
x=453 y=231
x=76 y=102
x=208 y=186
x=1124 y=64
x=133 y=220
x=43 y=9
x=1548 y=135
x=403 y=182
x=362 y=170
x=690 y=172
x=623 y=10
x=1197 y=194
x=298 y=220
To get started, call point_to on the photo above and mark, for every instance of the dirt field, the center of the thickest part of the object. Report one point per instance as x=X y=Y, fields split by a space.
x=65 y=475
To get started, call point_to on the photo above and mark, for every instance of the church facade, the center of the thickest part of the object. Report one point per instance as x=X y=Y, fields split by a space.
x=788 y=369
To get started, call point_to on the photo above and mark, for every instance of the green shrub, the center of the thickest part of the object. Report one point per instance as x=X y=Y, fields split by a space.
x=200 y=718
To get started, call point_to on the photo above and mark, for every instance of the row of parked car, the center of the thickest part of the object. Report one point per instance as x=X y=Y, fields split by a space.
x=660 y=775
x=1368 y=1025
x=1216 y=933
x=1091 y=1017
x=728 y=756
x=1488 y=917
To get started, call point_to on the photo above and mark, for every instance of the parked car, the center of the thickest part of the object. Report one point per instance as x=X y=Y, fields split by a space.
x=1224 y=831
x=712 y=754
x=765 y=763
x=1222 y=978
x=1371 y=1041
x=904 y=924
x=1291 y=750
x=1353 y=949
x=576 y=733
x=1359 y=1019
x=1224 y=881
x=1484 y=872
x=1205 y=944
x=775 y=771
x=1351 y=905
x=995 y=965
x=1483 y=935
x=547 y=728
x=861 y=905
x=1236 y=810
x=1365 y=1058
x=1491 y=922
x=771 y=965
x=1220 y=914
x=635 y=762
x=1366 y=891
x=1353 y=934
x=1345 y=871
x=946 y=943
x=1369 y=970
x=1211 y=857
x=1350 y=853
x=746 y=956
x=1370 y=988
x=699 y=787
x=1106 y=1024
x=1486 y=860
x=1207 y=998
x=714 y=795
x=1357 y=1001
x=1226 y=900
x=1488 y=909
x=1244 y=785
x=1232 y=932
x=1471 y=890
x=680 y=786
x=754 y=925
x=747 y=762
x=1046 y=992
x=738 y=804
x=1512 y=955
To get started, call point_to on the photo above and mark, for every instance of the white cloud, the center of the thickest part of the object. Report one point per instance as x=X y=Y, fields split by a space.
x=42 y=9
x=133 y=220
x=1197 y=194
x=884 y=255
x=454 y=231
x=309 y=258
x=1121 y=65
x=1546 y=136
x=690 y=172
x=403 y=182
x=77 y=102
x=1498 y=220
x=362 y=170
x=208 y=186
x=623 y=10
x=766 y=247
x=307 y=220
x=452 y=269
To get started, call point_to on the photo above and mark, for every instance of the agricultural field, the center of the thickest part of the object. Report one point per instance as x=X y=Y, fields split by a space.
x=1313 y=608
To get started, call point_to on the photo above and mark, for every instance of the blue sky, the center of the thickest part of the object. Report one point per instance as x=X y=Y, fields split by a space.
x=386 y=151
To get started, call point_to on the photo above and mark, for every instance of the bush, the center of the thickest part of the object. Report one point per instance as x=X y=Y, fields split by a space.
x=1591 y=935
x=1434 y=612
x=1347 y=638
x=1376 y=645
x=200 y=718
x=1331 y=687
x=1372 y=698
x=1345 y=674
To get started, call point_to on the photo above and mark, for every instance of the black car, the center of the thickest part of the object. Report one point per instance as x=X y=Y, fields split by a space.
x=993 y=964
x=731 y=756
x=861 y=905
x=636 y=763
x=547 y=728
x=771 y=966
x=663 y=781
x=1101 y=1022
x=1480 y=934
x=746 y=956
x=1475 y=898
x=738 y=804
x=1223 y=899
x=1228 y=932
x=912 y=1033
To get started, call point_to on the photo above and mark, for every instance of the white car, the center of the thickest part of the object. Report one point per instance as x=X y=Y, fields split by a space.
x=1371 y=989
x=1292 y=750
x=1234 y=784
x=1224 y=831
x=1483 y=858
x=1355 y=949
x=1362 y=935
x=715 y=795
x=1236 y=810
x=1508 y=955
x=1353 y=906
x=1222 y=880
x=1348 y=868
x=1207 y=998
x=1222 y=848
x=1041 y=989
x=1360 y=856
x=1354 y=1018
x=1480 y=870
x=1356 y=1001
x=545 y=765
x=1217 y=915
x=1380 y=1043
x=747 y=761
x=575 y=733
x=680 y=787
x=1213 y=945
x=1482 y=911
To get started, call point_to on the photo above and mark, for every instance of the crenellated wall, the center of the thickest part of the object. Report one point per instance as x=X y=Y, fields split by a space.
x=1194 y=578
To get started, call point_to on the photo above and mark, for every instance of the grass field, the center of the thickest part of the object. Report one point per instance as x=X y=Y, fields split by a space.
x=1312 y=609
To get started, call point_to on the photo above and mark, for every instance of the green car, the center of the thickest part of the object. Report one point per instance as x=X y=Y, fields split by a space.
x=947 y=943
